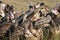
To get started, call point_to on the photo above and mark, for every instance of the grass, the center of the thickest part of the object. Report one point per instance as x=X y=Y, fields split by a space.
x=22 y=5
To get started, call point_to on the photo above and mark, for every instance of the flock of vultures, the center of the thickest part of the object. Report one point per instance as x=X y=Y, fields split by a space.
x=37 y=23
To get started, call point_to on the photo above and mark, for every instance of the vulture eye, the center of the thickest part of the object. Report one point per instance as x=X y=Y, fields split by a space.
x=41 y=4
x=58 y=9
x=30 y=6
x=0 y=1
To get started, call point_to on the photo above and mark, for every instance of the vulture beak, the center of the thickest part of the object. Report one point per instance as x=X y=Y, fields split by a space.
x=37 y=6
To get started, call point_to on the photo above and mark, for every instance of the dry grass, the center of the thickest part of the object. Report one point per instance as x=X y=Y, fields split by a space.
x=23 y=4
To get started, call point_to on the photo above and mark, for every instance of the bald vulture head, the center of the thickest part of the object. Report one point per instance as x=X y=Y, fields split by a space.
x=39 y=4
x=57 y=7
